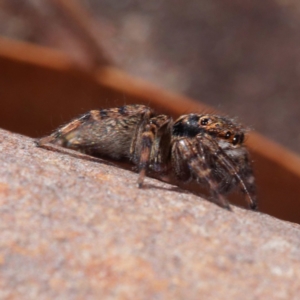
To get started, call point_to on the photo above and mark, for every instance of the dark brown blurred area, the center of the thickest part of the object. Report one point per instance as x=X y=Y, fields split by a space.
x=241 y=57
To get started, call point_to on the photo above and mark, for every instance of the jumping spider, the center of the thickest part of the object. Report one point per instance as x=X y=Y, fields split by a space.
x=202 y=147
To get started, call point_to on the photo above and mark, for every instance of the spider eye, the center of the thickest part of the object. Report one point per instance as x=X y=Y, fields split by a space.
x=204 y=121
x=235 y=139
x=227 y=135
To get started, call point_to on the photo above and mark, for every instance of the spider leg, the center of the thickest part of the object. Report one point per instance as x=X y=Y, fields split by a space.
x=147 y=140
x=148 y=148
x=248 y=187
x=197 y=162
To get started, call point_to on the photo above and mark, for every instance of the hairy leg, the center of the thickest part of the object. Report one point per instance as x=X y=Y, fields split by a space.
x=195 y=158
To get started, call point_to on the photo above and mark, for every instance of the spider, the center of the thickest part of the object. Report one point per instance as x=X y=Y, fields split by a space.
x=206 y=148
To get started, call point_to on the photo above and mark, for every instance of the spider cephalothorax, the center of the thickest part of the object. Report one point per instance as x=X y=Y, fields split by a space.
x=203 y=147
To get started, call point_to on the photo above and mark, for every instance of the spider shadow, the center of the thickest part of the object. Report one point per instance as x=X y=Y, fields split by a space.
x=197 y=190
x=179 y=187
x=123 y=164
x=172 y=188
x=174 y=185
x=76 y=154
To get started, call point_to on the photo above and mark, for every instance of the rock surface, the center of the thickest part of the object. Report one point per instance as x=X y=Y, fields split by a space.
x=79 y=228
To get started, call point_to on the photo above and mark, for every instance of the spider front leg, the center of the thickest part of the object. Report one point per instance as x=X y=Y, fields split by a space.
x=185 y=150
x=243 y=172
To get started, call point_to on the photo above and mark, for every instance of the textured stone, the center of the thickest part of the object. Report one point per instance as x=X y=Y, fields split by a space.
x=78 y=228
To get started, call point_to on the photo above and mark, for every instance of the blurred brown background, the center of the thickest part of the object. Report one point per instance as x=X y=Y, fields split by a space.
x=242 y=57
x=239 y=58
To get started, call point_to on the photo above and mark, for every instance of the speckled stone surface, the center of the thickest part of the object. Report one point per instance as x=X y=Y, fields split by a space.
x=74 y=228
